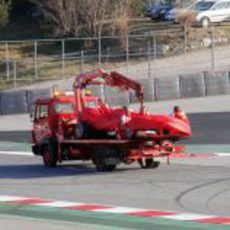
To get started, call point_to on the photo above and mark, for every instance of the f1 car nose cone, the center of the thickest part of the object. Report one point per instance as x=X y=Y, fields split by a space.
x=180 y=128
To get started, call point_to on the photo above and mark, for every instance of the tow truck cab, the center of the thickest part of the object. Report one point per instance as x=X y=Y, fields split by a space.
x=51 y=114
x=47 y=115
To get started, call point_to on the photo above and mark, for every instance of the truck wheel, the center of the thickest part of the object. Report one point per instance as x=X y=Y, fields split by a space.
x=102 y=166
x=109 y=168
x=49 y=156
x=102 y=160
x=105 y=168
x=148 y=163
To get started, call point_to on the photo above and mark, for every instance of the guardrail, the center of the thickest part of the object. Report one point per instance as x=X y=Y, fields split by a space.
x=156 y=89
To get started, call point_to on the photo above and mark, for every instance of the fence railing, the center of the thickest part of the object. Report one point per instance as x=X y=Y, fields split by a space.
x=148 y=55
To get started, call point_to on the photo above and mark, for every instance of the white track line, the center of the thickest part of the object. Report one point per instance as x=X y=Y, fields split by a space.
x=16 y=153
x=11 y=198
x=187 y=216
x=61 y=204
x=222 y=154
x=120 y=210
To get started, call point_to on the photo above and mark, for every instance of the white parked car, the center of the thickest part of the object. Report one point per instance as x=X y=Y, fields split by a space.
x=212 y=11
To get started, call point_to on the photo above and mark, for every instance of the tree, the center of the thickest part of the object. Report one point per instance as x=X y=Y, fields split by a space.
x=4 y=12
x=60 y=14
x=88 y=17
x=120 y=19
x=70 y=17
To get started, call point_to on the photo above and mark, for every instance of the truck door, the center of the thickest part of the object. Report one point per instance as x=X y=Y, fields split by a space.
x=41 y=123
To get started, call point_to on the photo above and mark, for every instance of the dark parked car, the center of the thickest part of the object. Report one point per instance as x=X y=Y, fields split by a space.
x=157 y=11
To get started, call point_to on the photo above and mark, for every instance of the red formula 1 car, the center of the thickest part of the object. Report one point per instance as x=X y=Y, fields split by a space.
x=96 y=117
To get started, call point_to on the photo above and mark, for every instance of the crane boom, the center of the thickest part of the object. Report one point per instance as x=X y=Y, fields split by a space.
x=101 y=77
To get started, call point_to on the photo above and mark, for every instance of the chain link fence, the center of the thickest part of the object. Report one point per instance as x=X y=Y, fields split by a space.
x=154 y=54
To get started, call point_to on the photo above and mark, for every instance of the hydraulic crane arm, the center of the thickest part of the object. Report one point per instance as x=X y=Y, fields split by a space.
x=125 y=83
x=113 y=79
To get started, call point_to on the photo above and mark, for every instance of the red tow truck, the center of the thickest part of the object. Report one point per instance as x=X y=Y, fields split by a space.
x=80 y=126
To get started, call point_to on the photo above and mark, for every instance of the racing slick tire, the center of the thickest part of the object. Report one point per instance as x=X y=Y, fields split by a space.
x=49 y=156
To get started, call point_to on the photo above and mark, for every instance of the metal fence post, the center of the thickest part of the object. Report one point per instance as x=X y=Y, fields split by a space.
x=149 y=58
x=127 y=54
x=108 y=55
x=185 y=38
x=212 y=49
x=7 y=61
x=99 y=49
x=15 y=73
x=82 y=61
x=63 y=57
x=154 y=55
x=35 y=60
x=155 y=47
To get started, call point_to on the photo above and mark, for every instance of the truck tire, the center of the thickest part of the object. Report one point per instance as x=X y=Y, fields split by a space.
x=100 y=160
x=102 y=167
x=109 y=168
x=49 y=156
x=148 y=163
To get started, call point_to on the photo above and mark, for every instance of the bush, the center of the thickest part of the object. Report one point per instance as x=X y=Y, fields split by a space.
x=4 y=12
x=187 y=17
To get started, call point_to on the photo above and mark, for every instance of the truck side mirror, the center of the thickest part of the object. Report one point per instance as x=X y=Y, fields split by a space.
x=32 y=110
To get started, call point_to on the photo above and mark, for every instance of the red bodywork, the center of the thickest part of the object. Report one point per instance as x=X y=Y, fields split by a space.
x=82 y=127
x=102 y=117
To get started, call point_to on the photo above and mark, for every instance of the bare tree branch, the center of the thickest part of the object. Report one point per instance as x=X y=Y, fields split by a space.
x=74 y=17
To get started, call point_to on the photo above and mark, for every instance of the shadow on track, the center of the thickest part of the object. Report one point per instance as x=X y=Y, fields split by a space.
x=39 y=171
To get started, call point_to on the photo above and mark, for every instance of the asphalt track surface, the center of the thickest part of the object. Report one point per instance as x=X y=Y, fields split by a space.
x=199 y=186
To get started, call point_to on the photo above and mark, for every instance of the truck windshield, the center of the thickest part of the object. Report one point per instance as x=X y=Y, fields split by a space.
x=202 y=6
x=64 y=108
x=91 y=104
